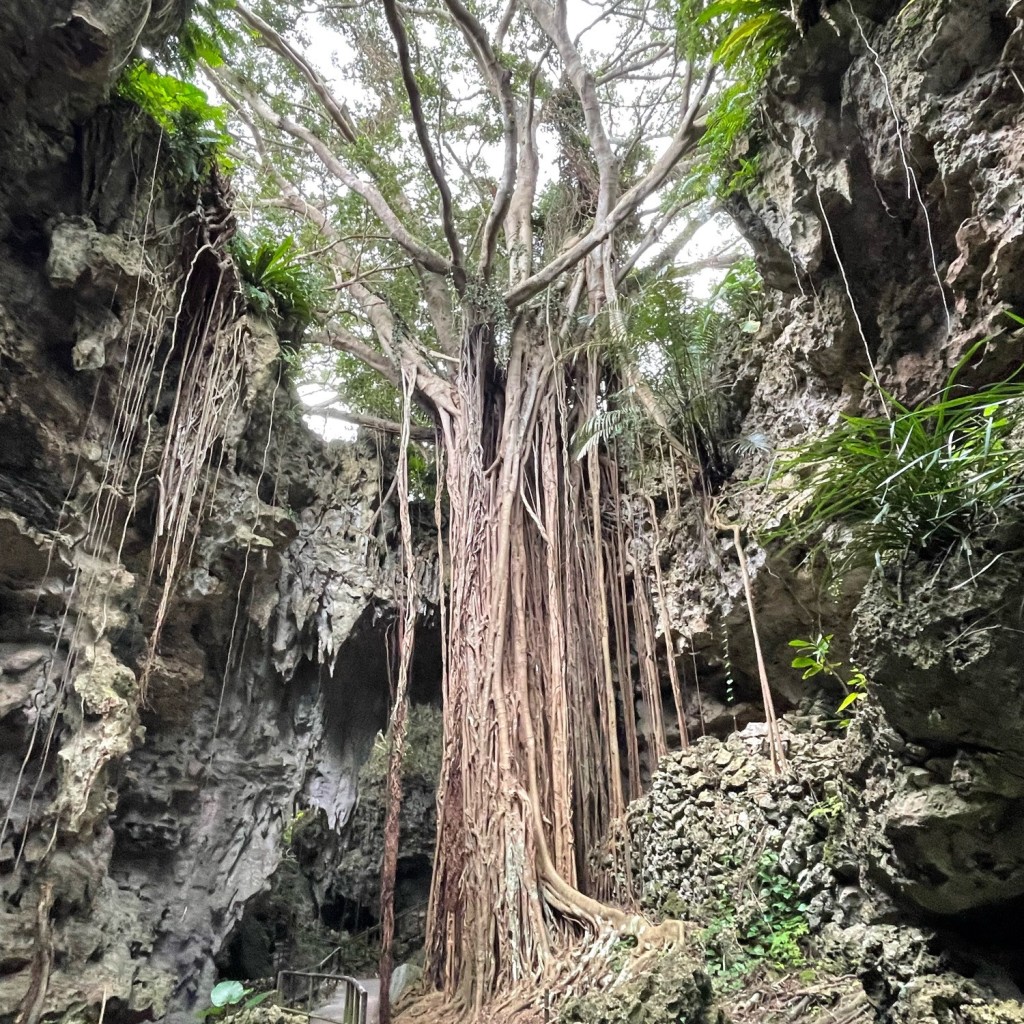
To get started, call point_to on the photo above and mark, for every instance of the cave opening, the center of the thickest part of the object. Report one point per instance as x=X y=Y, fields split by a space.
x=325 y=892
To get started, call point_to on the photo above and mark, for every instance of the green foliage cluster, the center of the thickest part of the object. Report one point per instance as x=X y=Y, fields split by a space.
x=751 y=33
x=736 y=942
x=196 y=130
x=205 y=37
x=295 y=823
x=813 y=661
x=745 y=38
x=934 y=479
x=278 y=282
x=676 y=342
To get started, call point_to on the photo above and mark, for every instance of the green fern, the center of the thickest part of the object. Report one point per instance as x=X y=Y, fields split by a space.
x=746 y=39
x=196 y=130
x=673 y=344
x=753 y=32
x=278 y=285
x=205 y=38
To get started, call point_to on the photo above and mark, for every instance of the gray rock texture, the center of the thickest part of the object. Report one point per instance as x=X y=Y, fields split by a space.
x=884 y=215
x=142 y=810
x=803 y=873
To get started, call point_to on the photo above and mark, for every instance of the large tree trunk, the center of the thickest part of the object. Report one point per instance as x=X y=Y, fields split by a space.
x=531 y=774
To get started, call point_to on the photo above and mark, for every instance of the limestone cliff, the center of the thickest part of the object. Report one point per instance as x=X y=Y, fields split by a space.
x=887 y=217
x=145 y=791
x=162 y=804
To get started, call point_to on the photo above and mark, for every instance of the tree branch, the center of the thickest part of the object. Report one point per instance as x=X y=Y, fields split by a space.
x=369 y=193
x=552 y=20
x=501 y=85
x=337 y=111
x=412 y=90
x=630 y=200
x=417 y=433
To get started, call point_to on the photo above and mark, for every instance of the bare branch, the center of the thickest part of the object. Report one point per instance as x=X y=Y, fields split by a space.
x=368 y=192
x=338 y=112
x=653 y=235
x=519 y=219
x=505 y=22
x=628 y=70
x=337 y=337
x=501 y=84
x=417 y=433
x=552 y=21
x=412 y=89
x=683 y=140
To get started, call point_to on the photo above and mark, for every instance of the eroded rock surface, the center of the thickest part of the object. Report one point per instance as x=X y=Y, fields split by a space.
x=144 y=798
x=804 y=873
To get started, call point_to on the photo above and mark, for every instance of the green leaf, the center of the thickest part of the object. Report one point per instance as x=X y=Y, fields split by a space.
x=258 y=1000
x=849 y=699
x=227 y=993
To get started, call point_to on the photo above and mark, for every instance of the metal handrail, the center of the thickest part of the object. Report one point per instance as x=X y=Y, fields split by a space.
x=325 y=974
x=306 y=990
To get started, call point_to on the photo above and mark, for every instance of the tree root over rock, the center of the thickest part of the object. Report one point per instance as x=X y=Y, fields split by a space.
x=599 y=979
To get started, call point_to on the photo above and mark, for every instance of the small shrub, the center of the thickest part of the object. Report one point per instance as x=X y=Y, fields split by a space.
x=813 y=660
x=227 y=996
x=738 y=939
x=196 y=130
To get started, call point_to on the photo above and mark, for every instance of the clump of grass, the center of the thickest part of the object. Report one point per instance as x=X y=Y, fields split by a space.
x=934 y=479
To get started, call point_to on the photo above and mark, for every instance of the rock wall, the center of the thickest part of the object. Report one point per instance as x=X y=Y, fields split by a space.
x=886 y=219
x=144 y=795
x=794 y=886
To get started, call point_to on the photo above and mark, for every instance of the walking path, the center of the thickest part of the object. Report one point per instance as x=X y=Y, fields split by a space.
x=334 y=1011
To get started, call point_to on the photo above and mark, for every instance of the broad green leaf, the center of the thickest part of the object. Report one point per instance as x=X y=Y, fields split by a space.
x=226 y=993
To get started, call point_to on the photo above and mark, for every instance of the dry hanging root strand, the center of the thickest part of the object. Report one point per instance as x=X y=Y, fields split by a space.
x=775 y=748
x=399 y=713
x=189 y=318
x=175 y=314
x=212 y=339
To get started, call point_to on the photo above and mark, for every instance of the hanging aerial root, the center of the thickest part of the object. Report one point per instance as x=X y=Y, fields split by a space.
x=775 y=748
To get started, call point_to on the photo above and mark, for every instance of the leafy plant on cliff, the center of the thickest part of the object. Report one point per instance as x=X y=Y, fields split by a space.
x=204 y=38
x=933 y=479
x=813 y=661
x=195 y=129
x=746 y=37
x=675 y=343
x=745 y=933
x=278 y=283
